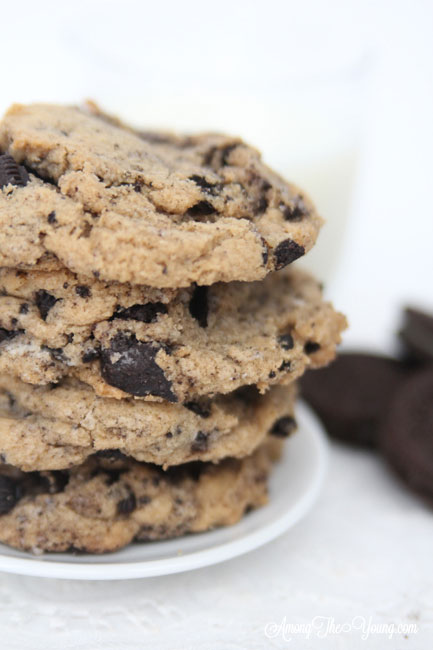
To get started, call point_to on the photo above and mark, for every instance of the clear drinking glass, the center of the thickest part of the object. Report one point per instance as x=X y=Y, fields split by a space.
x=299 y=99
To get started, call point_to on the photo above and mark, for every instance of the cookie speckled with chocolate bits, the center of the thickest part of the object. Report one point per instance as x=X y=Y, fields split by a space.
x=406 y=435
x=105 y=504
x=163 y=211
x=173 y=345
x=56 y=427
x=353 y=394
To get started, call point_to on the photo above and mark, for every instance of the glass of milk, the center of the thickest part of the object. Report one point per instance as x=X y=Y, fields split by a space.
x=288 y=86
x=309 y=132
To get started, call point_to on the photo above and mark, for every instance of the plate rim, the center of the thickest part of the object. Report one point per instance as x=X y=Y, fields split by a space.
x=37 y=567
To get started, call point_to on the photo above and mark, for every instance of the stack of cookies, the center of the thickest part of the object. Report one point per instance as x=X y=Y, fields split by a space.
x=150 y=334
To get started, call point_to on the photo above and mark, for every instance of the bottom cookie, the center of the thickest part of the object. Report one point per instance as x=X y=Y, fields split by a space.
x=106 y=503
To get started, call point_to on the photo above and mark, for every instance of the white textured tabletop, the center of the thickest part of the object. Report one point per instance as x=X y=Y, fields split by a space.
x=363 y=556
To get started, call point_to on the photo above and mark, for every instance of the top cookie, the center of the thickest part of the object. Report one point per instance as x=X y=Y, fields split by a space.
x=152 y=209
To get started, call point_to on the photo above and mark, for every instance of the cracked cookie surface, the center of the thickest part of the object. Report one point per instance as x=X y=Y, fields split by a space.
x=154 y=344
x=154 y=209
x=105 y=504
x=47 y=428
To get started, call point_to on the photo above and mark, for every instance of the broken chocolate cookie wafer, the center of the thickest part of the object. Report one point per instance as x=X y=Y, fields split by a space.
x=106 y=503
x=353 y=394
x=406 y=434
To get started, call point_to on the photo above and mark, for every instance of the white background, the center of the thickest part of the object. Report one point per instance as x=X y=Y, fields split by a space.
x=365 y=550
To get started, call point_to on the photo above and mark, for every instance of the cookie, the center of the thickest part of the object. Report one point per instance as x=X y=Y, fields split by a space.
x=53 y=428
x=105 y=504
x=173 y=345
x=159 y=210
x=353 y=395
x=417 y=337
x=406 y=436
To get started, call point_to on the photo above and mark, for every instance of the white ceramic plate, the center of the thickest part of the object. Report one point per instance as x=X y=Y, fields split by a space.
x=294 y=486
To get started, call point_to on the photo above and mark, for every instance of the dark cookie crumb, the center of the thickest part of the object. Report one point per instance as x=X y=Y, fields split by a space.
x=284 y=426
x=90 y=355
x=147 y=313
x=265 y=252
x=286 y=341
x=127 y=505
x=287 y=252
x=200 y=442
x=225 y=153
x=6 y=335
x=311 y=347
x=199 y=305
x=295 y=212
x=52 y=217
x=44 y=302
x=202 y=408
x=83 y=291
x=57 y=354
x=203 y=183
x=24 y=308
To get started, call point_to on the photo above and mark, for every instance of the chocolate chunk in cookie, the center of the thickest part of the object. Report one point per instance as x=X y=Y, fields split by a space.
x=147 y=313
x=352 y=395
x=83 y=291
x=7 y=335
x=44 y=302
x=130 y=365
x=200 y=442
x=127 y=505
x=286 y=341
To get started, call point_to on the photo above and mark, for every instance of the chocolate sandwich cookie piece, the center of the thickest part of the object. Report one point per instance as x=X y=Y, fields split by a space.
x=169 y=345
x=57 y=427
x=417 y=337
x=11 y=173
x=163 y=210
x=353 y=394
x=106 y=503
x=406 y=435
